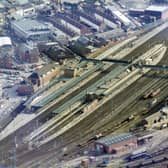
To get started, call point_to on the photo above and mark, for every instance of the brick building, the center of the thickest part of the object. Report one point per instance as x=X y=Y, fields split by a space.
x=6 y=62
x=116 y=144
x=28 y=53
x=44 y=75
x=25 y=89
x=70 y=72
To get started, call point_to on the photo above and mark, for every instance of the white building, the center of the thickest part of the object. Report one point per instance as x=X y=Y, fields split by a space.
x=31 y=30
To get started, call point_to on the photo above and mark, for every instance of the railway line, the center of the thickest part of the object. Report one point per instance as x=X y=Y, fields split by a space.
x=134 y=104
x=155 y=159
x=85 y=125
x=45 y=112
x=132 y=109
x=55 y=124
x=89 y=127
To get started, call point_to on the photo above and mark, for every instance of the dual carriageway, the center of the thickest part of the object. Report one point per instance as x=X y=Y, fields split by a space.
x=71 y=136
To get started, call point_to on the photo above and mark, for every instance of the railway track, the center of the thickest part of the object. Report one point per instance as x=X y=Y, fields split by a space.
x=7 y=142
x=56 y=121
x=104 y=127
x=155 y=85
x=76 y=137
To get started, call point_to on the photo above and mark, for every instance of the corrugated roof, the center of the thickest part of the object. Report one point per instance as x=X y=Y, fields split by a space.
x=115 y=139
x=30 y=26
x=118 y=14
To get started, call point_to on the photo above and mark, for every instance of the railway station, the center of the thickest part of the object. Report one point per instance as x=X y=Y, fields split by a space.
x=83 y=83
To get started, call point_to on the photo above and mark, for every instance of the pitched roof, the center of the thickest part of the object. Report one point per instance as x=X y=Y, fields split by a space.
x=110 y=140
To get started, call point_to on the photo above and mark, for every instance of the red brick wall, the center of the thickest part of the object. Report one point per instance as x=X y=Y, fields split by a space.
x=121 y=147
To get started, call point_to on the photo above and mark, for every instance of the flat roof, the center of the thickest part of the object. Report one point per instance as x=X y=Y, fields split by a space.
x=157 y=8
x=121 y=16
x=110 y=140
x=30 y=26
x=118 y=14
x=137 y=9
x=5 y=41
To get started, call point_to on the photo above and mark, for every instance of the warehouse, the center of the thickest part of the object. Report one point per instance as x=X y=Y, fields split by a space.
x=28 y=29
x=126 y=21
x=159 y=12
x=136 y=12
x=116 y=144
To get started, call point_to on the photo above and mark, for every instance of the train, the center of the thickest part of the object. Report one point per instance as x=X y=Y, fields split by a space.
x=152 y=93
x=141 y=155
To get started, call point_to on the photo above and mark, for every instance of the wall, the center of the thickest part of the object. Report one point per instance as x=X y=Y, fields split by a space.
x=45 y=79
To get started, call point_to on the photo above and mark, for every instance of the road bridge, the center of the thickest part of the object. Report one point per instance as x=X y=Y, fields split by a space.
x=136 y=65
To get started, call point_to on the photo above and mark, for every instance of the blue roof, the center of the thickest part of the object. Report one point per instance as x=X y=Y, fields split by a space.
x=110 y=140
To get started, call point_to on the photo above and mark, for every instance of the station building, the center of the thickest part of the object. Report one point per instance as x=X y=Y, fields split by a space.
x=44 y=75
x=116 y=144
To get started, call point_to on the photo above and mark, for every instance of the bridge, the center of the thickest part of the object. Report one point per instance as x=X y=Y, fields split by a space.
x=129 y=62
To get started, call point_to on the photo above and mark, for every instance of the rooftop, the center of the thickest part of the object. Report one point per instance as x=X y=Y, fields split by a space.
x=45 y=69
x=110 y=140
x=29 y=25
x=118 y=14
x=5 y=41
x=157 y=8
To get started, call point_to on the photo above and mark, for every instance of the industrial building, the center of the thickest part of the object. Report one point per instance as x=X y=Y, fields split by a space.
x=28 y=29
x=105 y=18
x=157 y=120
x=73 y=24
x=158 y=12
x=90 y=20
x=44 y=75
x=136 y=12
x=116 y=144
x=23 y=11
x=121 y=17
